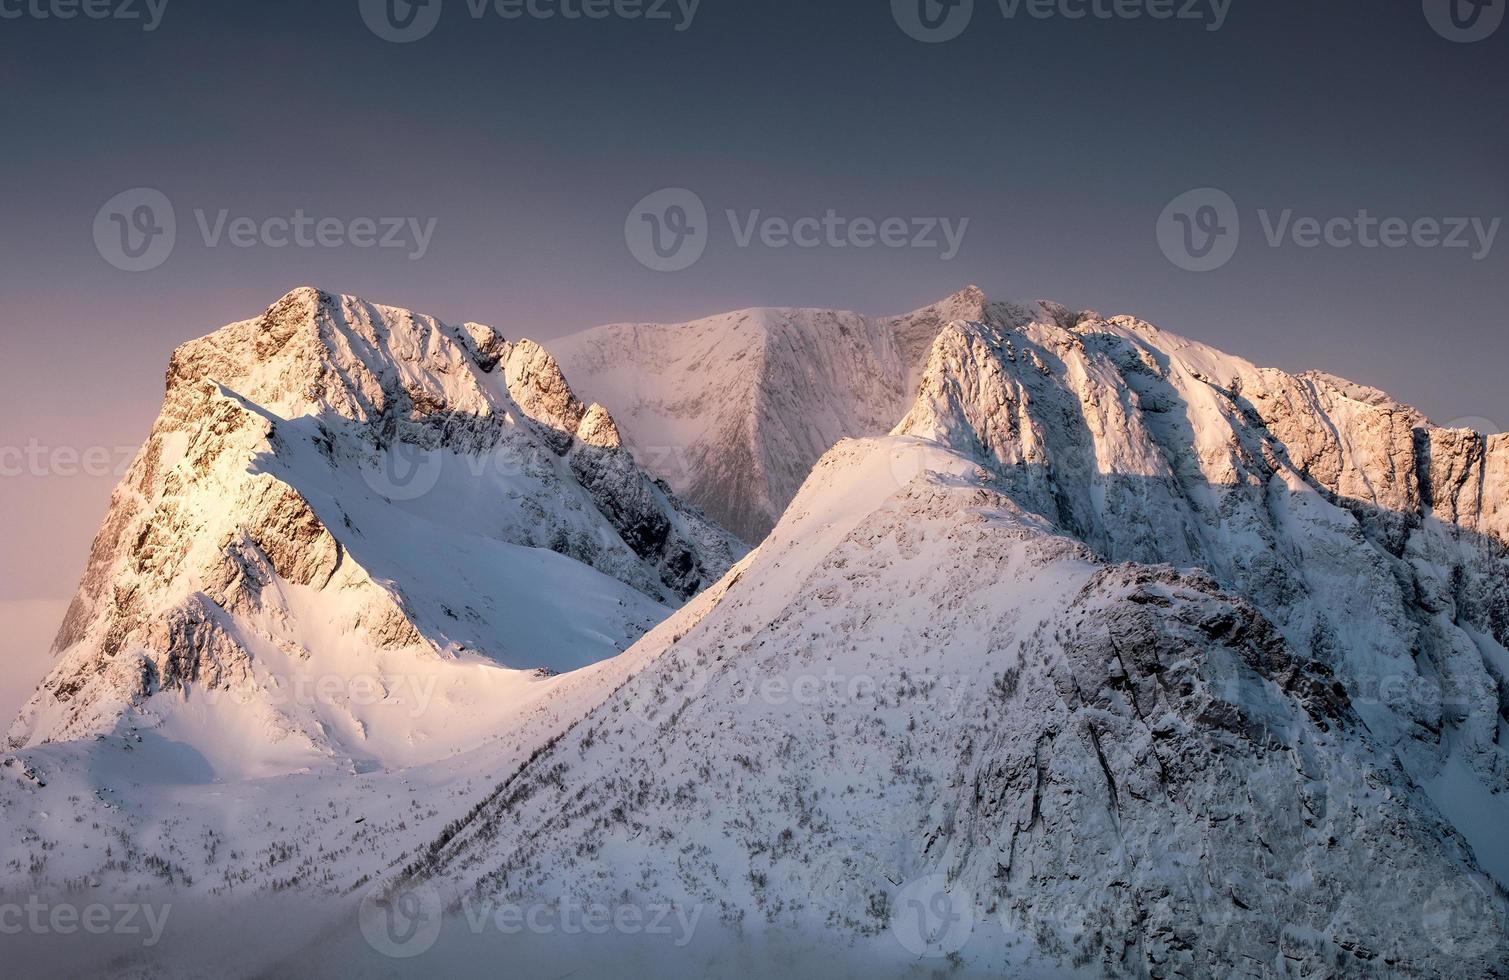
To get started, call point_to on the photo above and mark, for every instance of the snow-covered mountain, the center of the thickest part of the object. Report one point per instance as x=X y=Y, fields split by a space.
x=338 y=492
x=963 y=669
x=1117 y=656
x=734 y=410
x=1375 y=538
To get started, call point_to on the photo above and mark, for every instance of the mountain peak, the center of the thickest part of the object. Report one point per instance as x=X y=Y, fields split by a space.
x=373 y=457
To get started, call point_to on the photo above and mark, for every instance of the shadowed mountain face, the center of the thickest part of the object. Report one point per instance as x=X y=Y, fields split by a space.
x=1374 y=540
x=916 y=693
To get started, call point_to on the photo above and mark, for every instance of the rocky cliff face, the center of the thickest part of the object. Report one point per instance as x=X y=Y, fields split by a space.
x=335 y=482
x=1375 y=540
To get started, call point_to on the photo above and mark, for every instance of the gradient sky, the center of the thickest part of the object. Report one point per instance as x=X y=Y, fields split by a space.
x=528 y=142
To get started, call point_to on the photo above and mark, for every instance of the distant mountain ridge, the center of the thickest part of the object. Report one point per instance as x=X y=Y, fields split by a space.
x=734 y=410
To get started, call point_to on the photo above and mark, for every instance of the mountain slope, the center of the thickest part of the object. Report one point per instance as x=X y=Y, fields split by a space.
x=1120 y=656
x=337 y=491
x=916 y=684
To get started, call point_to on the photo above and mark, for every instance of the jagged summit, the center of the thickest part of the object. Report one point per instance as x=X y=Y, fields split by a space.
x=407 y=492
